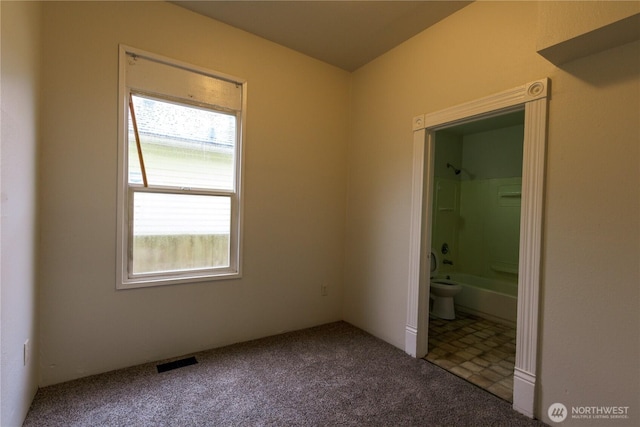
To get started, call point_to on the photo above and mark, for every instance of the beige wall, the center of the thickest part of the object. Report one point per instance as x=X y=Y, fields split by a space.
x=459 y=59
x=590 y=327
x=295 y=192
x=18 y=308
x=590 y=298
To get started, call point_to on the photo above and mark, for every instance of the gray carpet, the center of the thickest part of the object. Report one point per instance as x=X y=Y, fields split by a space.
x=329 y=375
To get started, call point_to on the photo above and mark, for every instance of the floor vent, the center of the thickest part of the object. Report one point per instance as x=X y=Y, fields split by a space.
x=176 y=364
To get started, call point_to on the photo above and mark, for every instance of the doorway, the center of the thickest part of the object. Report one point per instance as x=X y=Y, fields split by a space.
x=475 y=224
x=532 y=98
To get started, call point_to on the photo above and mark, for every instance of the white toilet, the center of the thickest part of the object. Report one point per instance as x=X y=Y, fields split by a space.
x=442 y=291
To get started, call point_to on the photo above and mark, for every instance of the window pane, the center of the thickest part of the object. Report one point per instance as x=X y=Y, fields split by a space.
x=179 y=232
x=182 y=146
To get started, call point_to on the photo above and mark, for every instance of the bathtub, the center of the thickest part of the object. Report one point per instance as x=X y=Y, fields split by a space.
x=491 y=298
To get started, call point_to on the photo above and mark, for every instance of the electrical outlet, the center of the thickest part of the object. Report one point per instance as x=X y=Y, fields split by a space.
x=324 y=290
x=27 y=352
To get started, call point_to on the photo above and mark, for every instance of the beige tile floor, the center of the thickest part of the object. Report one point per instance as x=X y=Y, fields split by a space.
x=478 y=350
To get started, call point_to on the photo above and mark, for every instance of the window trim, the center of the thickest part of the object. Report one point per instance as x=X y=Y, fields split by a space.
x=125 y=190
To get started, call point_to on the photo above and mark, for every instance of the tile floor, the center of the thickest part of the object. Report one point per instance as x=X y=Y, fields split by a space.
x=478 y=350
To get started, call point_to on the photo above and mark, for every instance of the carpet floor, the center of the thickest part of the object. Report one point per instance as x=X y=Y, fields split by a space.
x=330 y=375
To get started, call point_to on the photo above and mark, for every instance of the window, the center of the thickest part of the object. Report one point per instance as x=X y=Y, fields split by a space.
x=180 y=151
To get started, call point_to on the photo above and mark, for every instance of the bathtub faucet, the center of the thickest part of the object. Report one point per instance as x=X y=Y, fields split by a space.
x=447 y=261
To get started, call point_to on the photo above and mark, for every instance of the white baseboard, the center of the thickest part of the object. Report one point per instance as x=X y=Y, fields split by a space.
x=524 y=385
x=411 y=340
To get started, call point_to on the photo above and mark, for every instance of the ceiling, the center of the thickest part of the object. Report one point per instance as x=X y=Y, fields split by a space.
x=347 y=34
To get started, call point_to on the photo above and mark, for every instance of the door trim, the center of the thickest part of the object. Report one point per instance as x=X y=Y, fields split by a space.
x=533 y=98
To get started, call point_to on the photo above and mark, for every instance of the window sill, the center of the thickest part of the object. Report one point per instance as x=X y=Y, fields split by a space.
x=148 y=282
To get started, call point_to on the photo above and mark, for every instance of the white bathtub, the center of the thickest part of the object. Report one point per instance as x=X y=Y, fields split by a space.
x=493 y=298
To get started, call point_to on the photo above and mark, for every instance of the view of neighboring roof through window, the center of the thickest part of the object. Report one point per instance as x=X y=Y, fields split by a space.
x=179 y=142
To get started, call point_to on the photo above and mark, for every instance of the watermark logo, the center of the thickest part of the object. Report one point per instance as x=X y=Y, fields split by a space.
x=557 y=412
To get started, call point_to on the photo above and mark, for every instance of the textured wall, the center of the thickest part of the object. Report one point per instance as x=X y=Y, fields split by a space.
x=20 y=83
x=294 y=187
x=589 y=322
x=559 y=21
x=437 y=69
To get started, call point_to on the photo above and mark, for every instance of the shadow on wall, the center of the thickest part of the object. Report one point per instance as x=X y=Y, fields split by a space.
x=613 y=66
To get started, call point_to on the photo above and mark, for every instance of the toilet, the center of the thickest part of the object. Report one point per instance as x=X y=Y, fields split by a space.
x=442 y=292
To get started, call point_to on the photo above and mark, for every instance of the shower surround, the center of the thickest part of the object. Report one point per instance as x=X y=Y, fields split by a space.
x=479 y=221
x=476 y=217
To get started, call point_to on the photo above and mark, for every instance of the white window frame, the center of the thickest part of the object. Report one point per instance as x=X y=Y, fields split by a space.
x=125 y=191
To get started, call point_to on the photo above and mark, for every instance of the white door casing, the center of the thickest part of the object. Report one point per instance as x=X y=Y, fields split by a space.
x=532 y=97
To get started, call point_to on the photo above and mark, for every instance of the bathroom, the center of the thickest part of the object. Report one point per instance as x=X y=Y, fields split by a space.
x=474 y=250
